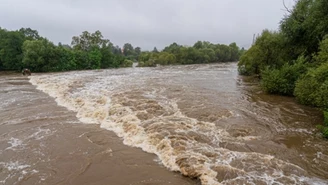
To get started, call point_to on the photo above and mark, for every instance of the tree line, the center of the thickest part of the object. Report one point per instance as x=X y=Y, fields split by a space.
x=200 y=52
x=25 y=48
x=293 y=61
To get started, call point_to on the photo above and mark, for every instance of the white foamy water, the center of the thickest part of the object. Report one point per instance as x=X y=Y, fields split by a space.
x=15 y=143
x=14 y=169
x=139 y=106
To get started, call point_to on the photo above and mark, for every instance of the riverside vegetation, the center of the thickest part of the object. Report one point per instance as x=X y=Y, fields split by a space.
x=25 y=48
x=294 y=60
x=200 y=52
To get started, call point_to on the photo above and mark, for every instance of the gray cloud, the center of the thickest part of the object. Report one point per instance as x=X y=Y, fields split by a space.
x=146 y=23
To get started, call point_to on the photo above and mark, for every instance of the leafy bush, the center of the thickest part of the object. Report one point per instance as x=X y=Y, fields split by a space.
x=324 y=128
x=140 y=64
x=282 y=81
x=40 y=55
x=325 y=117
x=11 y=43
x=94 y=59
x=249 y=63
x=266 y=52
x=201 y=52
x=149 y=63
x=322 y=55
x=303 y=32
x=127 y=63
x=312 y=88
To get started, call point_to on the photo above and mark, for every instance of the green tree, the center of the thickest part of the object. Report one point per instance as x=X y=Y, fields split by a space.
x=282 y=81
x=137 y=50
x=322 y=55
x=95 y=57
x=312 y=88
x=81 y=59
x=268 y=51
x=173 y=48
x=117 y=50
x=208 y=55
x=201 y=52
x=155 y=50
x=40 y=55
x=305 y=26
x=234 y=52
x=198 y=45
x=128 y=50
x=223 y=53
x=276 y=56
x=107 y=59
x=87 y=41
x=11 y=49
x=30 y=34
x=66 y=60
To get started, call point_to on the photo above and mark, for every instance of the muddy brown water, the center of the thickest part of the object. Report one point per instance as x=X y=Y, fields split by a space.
x=197 y=124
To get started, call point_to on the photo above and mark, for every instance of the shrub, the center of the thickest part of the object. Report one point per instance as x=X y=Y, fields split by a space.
x=312 y=88
x=249 y=62
x=324 y=128
x=127 y=63
x=140 y=64
x=325 y=114
x=282 y=81
x=322 y=55
x=267 y=52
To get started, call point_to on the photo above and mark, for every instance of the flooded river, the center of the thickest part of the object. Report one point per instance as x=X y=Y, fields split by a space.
x=196 y=124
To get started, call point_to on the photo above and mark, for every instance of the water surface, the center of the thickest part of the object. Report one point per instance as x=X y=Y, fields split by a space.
x=203 y=121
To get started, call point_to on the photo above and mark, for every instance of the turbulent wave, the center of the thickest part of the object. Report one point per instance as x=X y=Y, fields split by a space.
x=146 y=116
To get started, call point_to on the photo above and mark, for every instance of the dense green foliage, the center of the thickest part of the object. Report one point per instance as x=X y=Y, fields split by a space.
x=282 y=81
x=26 y=49
x=305 y=26
x=312 y=88
x=10 y=49
x=267 y=51
x=324 y=127
x=294 y=60
x=201 y=52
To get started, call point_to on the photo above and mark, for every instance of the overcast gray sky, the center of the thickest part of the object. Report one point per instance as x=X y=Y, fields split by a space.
x=146 y=23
